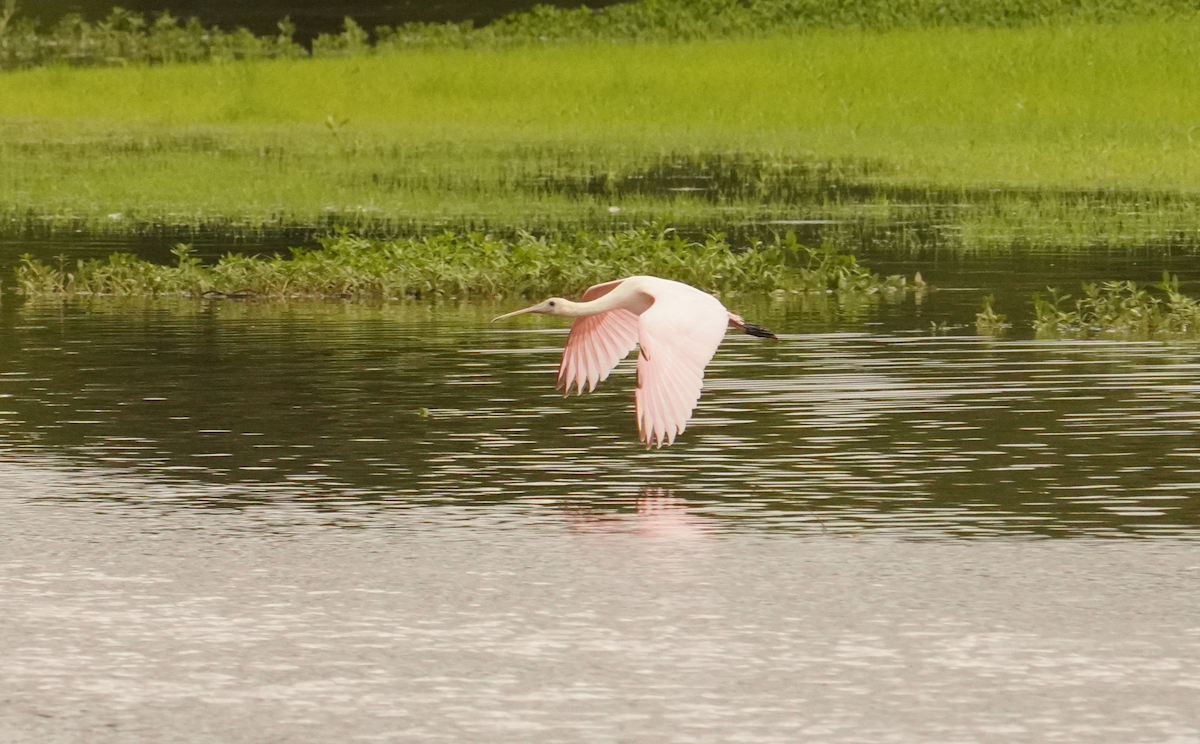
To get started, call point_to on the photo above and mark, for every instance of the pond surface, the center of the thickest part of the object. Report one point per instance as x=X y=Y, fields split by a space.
x=252 y=521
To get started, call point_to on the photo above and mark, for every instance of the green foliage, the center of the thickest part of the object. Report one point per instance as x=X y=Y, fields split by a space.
x=707 y=20
x=125 y=37
x=469 y=265
x=1120 y=308
x=988 y=322
x=353 y=41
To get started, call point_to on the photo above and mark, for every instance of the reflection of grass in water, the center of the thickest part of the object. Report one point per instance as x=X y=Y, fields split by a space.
x=540 y=138
x=472 y=265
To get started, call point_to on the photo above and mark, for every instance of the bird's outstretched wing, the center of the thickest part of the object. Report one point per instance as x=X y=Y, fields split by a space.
x=596 y=343
x=678 y=336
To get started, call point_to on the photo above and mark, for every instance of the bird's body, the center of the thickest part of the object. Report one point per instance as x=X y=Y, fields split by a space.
x=677 y=327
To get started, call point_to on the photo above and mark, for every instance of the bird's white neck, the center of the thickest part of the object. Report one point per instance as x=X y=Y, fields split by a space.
x=626 y=296
x=629 y=295
x=569 y=309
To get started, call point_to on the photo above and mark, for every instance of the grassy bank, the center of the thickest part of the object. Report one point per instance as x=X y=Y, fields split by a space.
x=837 y=125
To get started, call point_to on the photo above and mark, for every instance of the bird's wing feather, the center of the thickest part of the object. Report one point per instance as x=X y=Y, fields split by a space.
x=678 y=336
x=599 y=290
x=595 y=345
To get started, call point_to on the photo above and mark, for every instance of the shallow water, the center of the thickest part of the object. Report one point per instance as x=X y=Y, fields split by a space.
x=236 y=521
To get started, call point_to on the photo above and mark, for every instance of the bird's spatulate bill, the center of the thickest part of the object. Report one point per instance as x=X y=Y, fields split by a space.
x=515 y=312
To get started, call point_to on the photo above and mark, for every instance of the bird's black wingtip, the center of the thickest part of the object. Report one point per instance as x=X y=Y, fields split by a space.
x=759 y=331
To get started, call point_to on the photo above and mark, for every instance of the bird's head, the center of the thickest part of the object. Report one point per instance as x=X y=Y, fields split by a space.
x=553 y=306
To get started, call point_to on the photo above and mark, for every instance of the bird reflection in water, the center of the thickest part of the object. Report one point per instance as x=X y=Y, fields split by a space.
x=657 y=514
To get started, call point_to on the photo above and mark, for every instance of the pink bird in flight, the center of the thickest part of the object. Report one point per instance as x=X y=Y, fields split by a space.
x=677 y=329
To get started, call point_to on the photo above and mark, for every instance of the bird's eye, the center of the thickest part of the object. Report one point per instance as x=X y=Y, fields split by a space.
x=551 y=304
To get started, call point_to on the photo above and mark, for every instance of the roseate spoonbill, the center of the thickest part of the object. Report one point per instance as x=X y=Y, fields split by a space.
x=677 y=328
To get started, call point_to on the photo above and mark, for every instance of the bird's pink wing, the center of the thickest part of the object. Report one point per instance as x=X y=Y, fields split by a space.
x=678 y=336
x=596 y=343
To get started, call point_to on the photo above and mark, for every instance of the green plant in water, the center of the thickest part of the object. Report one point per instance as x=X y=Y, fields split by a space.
x=1119 y=308
x=988 y=322
x=471 y=265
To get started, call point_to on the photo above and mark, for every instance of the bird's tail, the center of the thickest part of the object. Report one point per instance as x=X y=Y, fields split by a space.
x=749 y=328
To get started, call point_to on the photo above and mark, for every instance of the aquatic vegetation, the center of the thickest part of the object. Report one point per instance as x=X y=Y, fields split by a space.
x=988 y=322
x=469 y=265
x=1119 y=308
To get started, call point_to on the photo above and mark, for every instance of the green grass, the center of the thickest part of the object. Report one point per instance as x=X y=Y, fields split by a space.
x=504 y=138
x=470 y=265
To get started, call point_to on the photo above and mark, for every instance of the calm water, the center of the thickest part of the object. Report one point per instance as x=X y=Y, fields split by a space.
x=311 y=521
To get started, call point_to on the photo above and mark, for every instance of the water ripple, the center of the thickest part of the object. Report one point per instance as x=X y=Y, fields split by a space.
x=843 y=431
